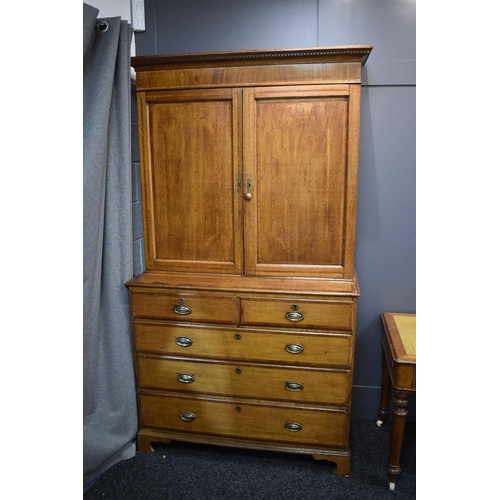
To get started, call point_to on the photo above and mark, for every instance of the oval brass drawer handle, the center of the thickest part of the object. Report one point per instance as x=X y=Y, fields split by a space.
x=183 y=341
x=294 y=348
x=293 y=386
x=294 y=316
x=293 y=427
x=187 y=416
x=186 y=378
x=183 y=310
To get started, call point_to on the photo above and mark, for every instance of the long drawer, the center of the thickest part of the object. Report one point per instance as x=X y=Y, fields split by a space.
x=244 y=419
x=236 y=343
x=252 y=381
x=297 y=313
x=184 y=307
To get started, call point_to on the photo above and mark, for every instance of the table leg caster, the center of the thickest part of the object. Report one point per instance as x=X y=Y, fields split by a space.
x=392 y=486
x=380 y=423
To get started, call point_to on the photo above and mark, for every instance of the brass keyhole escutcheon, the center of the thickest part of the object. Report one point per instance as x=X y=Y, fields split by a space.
x=295 y=307
x=237 y=336
x=248 y=194
x=238 y=408
x=181 y=301
x=238 y=370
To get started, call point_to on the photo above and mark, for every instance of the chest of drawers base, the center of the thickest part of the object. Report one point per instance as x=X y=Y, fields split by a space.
x=342 y=458
x=265 y=371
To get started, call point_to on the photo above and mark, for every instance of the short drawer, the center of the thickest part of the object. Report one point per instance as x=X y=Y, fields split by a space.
x=244 y=419
x=245 y=380
x=237 y=343
x=297 y=313
x=184 y=307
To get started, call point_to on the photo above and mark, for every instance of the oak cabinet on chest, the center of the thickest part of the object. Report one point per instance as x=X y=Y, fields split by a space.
x=244 y=320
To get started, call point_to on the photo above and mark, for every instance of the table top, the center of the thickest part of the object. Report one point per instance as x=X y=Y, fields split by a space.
x=401 y=330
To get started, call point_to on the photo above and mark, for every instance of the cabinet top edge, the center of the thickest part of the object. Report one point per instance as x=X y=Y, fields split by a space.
x=247 y=284
x=351 y=53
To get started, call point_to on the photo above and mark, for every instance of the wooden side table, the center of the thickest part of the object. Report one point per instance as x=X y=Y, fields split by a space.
x=399 y=369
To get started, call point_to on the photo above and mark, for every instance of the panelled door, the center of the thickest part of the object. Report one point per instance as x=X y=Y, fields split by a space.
x=191 y=151
x=300 y=173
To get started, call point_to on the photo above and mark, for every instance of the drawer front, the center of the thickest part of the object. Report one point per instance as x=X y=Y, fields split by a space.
x=297 y=313
x=285 y=347
x=260 y=382
x=184 y=307
x=243 y=419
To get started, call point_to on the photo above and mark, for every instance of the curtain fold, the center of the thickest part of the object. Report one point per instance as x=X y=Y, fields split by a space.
x=109 y=400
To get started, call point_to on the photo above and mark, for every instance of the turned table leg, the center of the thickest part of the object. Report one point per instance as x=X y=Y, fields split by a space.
x=383 y=409
x=399 y=412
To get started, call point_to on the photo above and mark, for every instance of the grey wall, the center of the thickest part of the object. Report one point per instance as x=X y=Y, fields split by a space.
x=385 y=245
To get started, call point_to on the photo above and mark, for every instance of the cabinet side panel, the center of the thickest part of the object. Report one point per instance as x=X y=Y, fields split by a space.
x=146 y=179
x=351 y=179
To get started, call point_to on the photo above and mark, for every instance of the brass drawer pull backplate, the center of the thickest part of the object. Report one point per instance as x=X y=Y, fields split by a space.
x=293 y=386
x=186 y=378
x=294 y=348
x=183 y=341
x=187 y=416
x=293 y=427
x=182 y=309
x=294 y=316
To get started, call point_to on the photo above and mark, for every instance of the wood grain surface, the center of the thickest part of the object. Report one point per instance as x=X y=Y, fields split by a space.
x=319 y=348
x=262 y=421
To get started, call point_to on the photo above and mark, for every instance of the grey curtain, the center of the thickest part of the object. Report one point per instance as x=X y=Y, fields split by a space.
x=109 y=401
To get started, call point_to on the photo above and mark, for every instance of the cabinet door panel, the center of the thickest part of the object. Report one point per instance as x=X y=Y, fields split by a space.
x=296 y=155
x=193 y=211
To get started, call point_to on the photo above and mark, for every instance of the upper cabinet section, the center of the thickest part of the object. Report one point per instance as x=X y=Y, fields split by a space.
x=249 y=161
x=252 y=68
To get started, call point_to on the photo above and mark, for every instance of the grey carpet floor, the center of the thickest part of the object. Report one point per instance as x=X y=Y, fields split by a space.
x=185 y=471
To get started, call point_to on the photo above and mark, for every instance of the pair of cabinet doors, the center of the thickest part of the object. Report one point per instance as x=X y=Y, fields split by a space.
x=250 y=181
